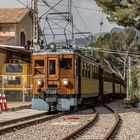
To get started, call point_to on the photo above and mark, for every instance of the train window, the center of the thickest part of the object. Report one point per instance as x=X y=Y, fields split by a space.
x=39 y=71
x=97 y=73
x=39 y=63
x=88 y=70
x=92 y=72
x=14 y=69
x=14 y=80
x=66 y=63
x=83 y=69
x=39 y=67
x=51 y=66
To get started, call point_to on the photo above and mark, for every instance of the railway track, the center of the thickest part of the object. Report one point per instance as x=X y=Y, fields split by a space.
x=56 y=128
x=89 y=130
x=12 y=125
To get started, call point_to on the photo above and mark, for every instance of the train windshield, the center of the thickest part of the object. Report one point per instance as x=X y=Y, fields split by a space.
x=66 y=63
x=14 y=69
x=39 y=67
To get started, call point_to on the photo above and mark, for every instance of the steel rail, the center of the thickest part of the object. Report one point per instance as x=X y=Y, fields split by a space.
x=27 y=123
x=115 y=126
x=89 y=124
x=12 y=121
x=80 y=129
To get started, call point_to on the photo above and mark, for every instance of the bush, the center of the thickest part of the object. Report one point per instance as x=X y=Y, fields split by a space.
x=134 y=88
x=134 y=99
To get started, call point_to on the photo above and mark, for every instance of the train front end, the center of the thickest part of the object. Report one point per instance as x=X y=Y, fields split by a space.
x=54 y=84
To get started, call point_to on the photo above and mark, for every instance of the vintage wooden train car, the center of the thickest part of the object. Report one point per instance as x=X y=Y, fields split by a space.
x=65 y=78
x=16 y=77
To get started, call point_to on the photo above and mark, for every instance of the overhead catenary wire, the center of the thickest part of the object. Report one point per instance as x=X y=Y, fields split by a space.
x=21 y=3
x=84 y=8
x=51 y=8
x=81 y=17
x=112 y=52
x=29 y=4
x=55 y=10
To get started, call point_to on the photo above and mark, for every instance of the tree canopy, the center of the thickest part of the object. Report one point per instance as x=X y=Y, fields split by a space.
x=122 y=12
x=115 y=48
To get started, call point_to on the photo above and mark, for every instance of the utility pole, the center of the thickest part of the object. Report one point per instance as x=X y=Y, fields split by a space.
x=35 y=23
x=128 y=77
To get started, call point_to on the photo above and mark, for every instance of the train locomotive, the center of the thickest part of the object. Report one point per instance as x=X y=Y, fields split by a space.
x=64 y=78
x=16 y=78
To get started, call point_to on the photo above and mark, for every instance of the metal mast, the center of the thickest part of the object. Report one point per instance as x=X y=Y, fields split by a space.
x=35 y=23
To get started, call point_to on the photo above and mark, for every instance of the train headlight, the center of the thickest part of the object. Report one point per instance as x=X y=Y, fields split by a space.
x=52 y=46
x=40 y=83
x=65 y=82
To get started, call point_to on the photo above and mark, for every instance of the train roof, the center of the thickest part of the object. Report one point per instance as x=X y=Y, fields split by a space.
x=57 y=51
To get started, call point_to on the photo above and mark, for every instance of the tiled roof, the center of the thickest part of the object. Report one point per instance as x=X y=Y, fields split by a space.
x=12 y=15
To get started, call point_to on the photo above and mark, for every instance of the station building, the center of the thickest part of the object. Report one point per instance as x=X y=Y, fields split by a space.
x=15 y=30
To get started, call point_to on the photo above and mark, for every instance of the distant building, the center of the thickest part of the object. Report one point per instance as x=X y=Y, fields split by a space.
x=15 y=30
x=15 y=26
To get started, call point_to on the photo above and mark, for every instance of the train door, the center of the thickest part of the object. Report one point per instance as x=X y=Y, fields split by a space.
x=53 y=68
x=52 y=82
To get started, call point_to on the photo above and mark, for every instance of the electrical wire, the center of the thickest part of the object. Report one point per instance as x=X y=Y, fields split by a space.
x=22 y=3
x=81 y=17
x=113 y=52
x=29 y=3
x=53 y=9
x=84 y=8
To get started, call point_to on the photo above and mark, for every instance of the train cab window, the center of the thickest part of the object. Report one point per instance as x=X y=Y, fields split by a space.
x=39 y=63
x=39 y=67
x=14 y=69
x=66 y=63
x=52 y=67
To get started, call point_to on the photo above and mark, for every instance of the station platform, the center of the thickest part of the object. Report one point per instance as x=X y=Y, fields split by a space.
x=15 y=106
x=7 y=116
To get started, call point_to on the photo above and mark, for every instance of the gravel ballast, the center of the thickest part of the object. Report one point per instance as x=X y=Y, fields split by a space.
x=130 y=126
x=51 y=130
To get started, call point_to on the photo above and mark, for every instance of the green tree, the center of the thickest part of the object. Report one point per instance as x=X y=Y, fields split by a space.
x=115 y=48
x=122 y=12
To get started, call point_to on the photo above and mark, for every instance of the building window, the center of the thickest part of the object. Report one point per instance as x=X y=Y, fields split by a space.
x=22 y=39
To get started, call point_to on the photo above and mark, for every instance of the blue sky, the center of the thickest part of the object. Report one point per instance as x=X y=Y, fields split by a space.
x=87 y=9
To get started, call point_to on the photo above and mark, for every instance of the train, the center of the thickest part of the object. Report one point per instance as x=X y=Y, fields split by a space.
x=16 y=79
x=64 y=78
